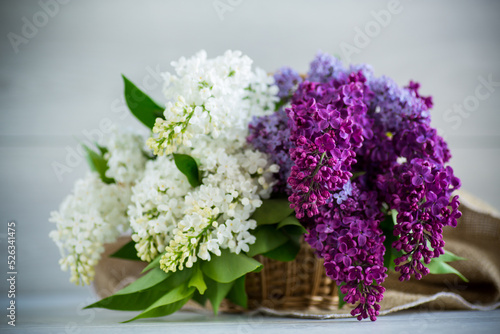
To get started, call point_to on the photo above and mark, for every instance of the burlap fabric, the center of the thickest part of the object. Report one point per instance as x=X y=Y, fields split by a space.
x=476 y=238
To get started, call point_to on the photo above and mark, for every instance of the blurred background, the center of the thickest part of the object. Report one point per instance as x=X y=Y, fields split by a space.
x=60 y=66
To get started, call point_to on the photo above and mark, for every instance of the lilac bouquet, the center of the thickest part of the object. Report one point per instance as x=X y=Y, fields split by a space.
x=239 y=165
x=365 y=173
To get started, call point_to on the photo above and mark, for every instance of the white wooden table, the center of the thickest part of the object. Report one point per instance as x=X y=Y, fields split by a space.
x=63 y=314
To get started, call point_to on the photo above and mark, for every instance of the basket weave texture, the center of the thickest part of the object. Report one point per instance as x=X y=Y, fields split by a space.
x=296 y=285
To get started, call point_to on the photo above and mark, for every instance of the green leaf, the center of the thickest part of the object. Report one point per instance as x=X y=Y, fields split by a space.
x=272 y=211
x=98 y=164
x=291 y=221
x=216 y=292
x=127 y=252
x=153 y=264
x=229 y=266
x=138 y=295
x=144 y=291
x=284 y=253
x=289 y=250
x=199 y=298
x=141 y=105
x=179 y=277
x=145 y=282
x=197 y=280
x=293 y=232
x=169 y=303
x=267 y=239
x=103 y=149
x=238 y=294
x=394 y=214
x=341 y=296
x=439 y=267
x=450 y=257
x=387 y=226
x=281 y=103
x=355 y=175
x=188 y=166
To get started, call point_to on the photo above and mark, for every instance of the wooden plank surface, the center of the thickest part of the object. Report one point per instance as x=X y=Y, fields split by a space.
x=63 y=314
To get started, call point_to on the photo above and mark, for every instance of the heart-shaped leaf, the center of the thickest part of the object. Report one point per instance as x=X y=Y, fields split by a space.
x=98 y=164
x=450 y=257
x=284 y=253
x=272 y=211
x=138 y=295
x=153 y=264
x=197 y=280
x=291 y=221
x=267 y=238
x=167 y=304
x=141 y=105
x=238 y=294
x=188 y=166
x=216 y=292
x=127 y=252
x=387 y=227
x=200 y=298
x=440 y=266
x=229 y=266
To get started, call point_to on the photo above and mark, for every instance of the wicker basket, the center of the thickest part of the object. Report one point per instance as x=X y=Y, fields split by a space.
x=297 y=285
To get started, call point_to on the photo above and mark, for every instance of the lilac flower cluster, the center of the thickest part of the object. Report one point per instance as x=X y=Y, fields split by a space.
x=329 y=124
x=401 y=128
x=325 y=133
x=348 y=237
x=287 y=80
x=406 y=160
x=324 y=68
x=271 y=134
x=421 y=193
x=360 y=146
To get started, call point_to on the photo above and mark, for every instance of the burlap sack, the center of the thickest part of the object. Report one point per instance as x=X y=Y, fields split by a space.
x=476 y=238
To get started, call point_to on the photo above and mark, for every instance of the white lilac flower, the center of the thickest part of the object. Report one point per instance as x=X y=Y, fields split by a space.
x=157 y=206
x=94 y=214
x=215 y=97
x=217 y=214
x=211 y=102
x=126 y=156
x=261 y=94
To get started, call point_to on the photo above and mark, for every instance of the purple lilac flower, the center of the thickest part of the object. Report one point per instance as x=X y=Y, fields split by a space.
x=287 y=80
x=325 y=133
x=344 y=121
x=414 y=87
x=391 y=103
x=348 y=237
x=402 y=129
x=365 y=69
x=271 y=134
x=420 y=188
x=421 y=192
x=324 y=68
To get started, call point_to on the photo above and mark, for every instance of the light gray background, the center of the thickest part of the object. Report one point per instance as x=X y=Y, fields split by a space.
x=66 y=80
